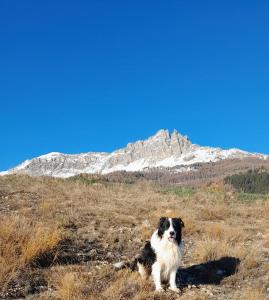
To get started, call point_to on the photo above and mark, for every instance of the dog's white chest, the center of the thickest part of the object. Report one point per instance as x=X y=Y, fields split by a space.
x=169 y=259
x=168 y=255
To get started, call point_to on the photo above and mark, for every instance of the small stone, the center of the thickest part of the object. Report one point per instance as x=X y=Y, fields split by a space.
x=93 y=252
x=209 y=293
x=109 y=255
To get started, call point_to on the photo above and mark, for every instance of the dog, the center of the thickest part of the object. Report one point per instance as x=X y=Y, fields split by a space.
x=161 y=256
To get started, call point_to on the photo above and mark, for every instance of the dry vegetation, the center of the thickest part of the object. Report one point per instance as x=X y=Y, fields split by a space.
x=59 y=238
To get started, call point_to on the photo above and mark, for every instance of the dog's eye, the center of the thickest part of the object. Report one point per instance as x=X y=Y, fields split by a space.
x=176 y=224
x=166 y=224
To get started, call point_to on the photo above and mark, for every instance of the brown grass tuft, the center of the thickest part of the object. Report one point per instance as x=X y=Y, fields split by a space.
x=46 y=207
x=214 y=212
x=69 y=286
x=220 y=231
x=209 y=249
x=21 y=242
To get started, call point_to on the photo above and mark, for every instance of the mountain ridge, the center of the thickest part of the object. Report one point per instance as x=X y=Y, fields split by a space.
x=161 y=150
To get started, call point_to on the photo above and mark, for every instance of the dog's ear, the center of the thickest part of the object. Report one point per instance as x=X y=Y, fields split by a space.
x=178 y=227
x=160 y=226
x=161 y=221
x=181 y=222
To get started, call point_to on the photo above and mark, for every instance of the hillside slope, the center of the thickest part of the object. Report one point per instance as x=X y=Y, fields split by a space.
x=59 y=239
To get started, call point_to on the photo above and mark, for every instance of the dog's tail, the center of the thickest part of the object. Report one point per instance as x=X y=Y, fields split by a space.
x=126 y=265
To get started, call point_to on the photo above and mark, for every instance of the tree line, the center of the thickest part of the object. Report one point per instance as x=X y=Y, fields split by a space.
x=253 y=181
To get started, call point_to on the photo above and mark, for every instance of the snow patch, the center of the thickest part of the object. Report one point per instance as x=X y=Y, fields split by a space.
x=4 y=173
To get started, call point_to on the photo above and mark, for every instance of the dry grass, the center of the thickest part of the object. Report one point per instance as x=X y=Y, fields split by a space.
x=251 y=259
x=210 y=249
x=46 y=207
x=114 y=220
x=70 y=286
x=21 y=242
x=213 y=212
x=266 y=241
x=67 y=286
x=256 y=293
x=229 y=234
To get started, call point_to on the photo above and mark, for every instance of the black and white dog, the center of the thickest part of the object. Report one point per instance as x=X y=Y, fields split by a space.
x=161 y=256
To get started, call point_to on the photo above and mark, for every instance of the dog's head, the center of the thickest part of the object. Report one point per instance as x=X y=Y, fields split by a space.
x=170 y=229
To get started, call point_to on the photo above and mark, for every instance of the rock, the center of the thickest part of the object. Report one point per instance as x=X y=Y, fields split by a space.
x=93 y=253
x=109 y=255
x=207 y=291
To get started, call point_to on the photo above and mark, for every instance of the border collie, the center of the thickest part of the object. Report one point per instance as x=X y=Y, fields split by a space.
x=161 y=256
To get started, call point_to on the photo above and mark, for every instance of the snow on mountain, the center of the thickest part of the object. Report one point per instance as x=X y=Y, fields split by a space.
x=163 y=149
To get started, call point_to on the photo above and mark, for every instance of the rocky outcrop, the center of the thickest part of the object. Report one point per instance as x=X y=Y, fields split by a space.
x=158 y=147
x=162 y=150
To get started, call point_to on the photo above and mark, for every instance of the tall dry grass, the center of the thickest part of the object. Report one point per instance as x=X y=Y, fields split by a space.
x=69 y=286
x=21 y=242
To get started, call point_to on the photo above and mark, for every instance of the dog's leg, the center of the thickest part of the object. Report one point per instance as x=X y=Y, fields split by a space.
x=142 y=270
x=172 y=281
x=156 y=274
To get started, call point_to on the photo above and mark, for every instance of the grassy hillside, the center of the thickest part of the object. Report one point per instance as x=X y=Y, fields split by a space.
x=59 y=238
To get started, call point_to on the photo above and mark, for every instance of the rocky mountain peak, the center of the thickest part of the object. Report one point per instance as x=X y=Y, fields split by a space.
x=165 y=134
x=163 y=149
x=162 y=133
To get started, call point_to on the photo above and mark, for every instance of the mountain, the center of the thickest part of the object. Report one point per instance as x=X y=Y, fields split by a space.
x=162 y=150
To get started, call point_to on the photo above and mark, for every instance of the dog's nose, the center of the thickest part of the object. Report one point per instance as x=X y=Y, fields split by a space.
x=172 y=233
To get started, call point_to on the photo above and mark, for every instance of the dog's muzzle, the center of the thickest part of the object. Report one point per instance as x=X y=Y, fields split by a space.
x=172 y=236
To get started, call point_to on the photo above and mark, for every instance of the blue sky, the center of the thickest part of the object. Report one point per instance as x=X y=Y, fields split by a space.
x=78 y=76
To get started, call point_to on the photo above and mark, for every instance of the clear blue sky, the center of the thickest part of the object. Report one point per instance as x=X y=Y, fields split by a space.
x=79 y=76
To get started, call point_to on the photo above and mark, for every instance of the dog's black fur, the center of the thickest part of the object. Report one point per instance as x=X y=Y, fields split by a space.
x=147 y=256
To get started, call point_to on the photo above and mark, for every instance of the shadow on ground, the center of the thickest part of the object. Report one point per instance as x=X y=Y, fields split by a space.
x=211 y=272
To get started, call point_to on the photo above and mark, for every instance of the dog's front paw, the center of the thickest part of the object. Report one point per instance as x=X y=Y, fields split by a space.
x=174 y=289
x=159 y=290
